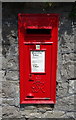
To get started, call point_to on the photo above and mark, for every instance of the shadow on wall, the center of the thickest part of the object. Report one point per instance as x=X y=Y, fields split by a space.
x=38 y=105
x=11 y=10
x=65 y=30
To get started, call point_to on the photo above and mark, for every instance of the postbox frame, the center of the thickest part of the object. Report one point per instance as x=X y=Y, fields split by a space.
x=54 y=61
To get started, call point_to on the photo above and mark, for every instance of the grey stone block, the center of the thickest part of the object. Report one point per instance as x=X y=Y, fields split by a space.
x=12 y=75
x=67 y=70
x=74 y=86
x=72 y=56
x=65 y=103
x=10 y=50
x=0 y=112
x=70 y=71
x=53 y=114
x=31 y=114
x=0 y=50
x=12 y=101
x=68 y=57
x=10 y=89
x=8 y=101
x=2 y=76
x=70 y=114
x=62 y=89
x=10 y=63
x=1 y=89
x=9 y=33
x=10 y=111
x=0 y=63
x=71 y=86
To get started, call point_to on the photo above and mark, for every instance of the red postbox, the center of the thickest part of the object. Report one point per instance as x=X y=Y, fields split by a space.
x=38 y=36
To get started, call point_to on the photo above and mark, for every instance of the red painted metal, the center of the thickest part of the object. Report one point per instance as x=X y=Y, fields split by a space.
x=38 y=87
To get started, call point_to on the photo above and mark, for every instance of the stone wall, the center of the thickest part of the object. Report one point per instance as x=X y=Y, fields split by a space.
x=64 y=107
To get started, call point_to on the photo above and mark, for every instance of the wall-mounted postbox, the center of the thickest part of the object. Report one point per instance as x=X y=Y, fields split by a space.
x=38 y=35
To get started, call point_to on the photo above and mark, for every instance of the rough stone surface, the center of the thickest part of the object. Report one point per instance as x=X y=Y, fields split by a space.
x=66 y=78
x=53 y=114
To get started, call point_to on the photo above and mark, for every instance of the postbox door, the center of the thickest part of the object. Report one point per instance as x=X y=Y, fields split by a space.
x=37 y=72
x=38 y=36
